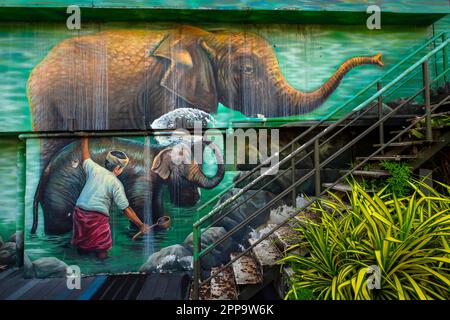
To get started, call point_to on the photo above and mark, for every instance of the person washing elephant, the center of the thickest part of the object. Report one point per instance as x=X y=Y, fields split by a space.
x=91 y=230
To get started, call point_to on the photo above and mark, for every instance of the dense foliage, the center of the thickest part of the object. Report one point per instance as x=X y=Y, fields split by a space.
x=405 y=238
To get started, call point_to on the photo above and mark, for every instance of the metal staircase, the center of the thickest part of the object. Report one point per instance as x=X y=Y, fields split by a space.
x=428 y=62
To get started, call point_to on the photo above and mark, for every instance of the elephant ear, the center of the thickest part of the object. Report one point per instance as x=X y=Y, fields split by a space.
x=161 y=165
x=190 y=74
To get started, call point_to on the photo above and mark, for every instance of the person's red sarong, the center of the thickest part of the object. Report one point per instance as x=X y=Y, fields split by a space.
x=91 y=230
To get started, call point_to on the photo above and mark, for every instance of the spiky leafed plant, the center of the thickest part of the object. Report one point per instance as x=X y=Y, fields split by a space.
x=406 y=239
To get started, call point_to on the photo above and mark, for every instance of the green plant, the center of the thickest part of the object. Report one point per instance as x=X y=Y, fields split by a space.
x=439 y=121
x=400 y=177
x=407 y=238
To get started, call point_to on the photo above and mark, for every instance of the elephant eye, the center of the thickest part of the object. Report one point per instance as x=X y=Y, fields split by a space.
x=247 y=69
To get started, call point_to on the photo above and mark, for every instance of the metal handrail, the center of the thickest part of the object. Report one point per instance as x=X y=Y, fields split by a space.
x=297 y=212
x=423 y=61
x=294 y=153
x=304 y=178
x=326 y=118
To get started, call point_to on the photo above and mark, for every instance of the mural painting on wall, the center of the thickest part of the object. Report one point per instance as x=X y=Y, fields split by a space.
x=137 y=80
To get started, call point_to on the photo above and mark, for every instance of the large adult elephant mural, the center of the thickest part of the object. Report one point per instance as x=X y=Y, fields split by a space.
x=125 y=79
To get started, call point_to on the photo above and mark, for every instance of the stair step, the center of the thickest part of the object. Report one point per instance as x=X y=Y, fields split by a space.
x=338 y=187
x=433 y=115
x=304 y=217
x=402 y=144
x=391 y=158
x=204 y=291
x=223 y=286
x=368 y=173
x=439 y=114
x=246 y=270
x=286 y=237
x=420 y=129
x=266 y=253
x=343 y=187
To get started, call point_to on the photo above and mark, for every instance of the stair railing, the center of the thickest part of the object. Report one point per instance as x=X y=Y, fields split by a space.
x=363 y=108
x=441 y=36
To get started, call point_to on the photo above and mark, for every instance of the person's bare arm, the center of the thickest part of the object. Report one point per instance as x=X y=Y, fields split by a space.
x=85 y=148
x=129 y=212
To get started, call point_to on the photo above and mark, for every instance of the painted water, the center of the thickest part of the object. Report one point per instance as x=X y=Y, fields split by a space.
x=8 y=192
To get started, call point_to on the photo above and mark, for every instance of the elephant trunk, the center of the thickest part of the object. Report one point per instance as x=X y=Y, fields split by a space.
x=197 y=176
x=303 y=102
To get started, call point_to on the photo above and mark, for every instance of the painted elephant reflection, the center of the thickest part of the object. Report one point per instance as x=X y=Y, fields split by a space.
x=149 y=169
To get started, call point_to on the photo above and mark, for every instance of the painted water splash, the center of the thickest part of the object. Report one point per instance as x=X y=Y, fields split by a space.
x=169 y=121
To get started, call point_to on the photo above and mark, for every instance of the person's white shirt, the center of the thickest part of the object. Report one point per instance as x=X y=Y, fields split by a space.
x=101 y=189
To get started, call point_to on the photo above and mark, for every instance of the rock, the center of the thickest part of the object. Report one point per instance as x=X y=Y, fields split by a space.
x=245 y=210
x=49 y=267
x=169 y=259
x=17 y=237
x=220 y=254
x=8 y=253
x=181 y=117
x=1 y=241
x=280 y=214
x=28 y=268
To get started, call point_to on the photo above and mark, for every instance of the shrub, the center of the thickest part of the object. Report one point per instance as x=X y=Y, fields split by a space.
x=398 y=182
x=407 y=238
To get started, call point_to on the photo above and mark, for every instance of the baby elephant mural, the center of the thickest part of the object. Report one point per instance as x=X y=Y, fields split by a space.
x=147 y=170
x=125 y=79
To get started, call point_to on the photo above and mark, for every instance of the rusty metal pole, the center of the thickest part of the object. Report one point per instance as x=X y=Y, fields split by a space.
x=380 y=115
x=426 y=97
x=317 y=167
x=445 y=58
x=294 y=191
x=196 y=277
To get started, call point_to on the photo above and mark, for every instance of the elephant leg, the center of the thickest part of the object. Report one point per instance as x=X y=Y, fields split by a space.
x=157 y=201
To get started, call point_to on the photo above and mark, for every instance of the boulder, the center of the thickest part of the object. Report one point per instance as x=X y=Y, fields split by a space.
x=8 y=253
x=49 y=267
x=242 y=212
x=169 y=259
x=17 y=237
x=28 y=268
x=220 y=254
